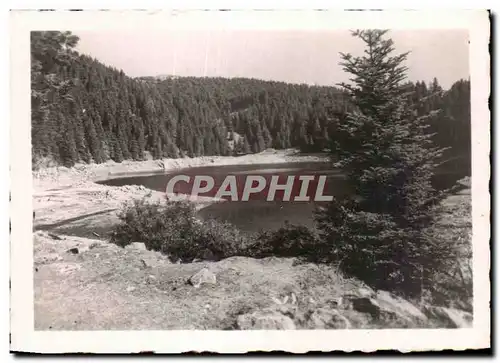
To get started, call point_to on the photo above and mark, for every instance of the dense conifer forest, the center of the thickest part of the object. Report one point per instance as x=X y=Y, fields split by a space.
x=85 y=111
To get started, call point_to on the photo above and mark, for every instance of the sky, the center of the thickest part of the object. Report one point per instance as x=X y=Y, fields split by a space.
x=304 y=56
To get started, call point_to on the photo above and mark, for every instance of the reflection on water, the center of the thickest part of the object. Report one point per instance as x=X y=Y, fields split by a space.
x=256 y=215
x=253 y=216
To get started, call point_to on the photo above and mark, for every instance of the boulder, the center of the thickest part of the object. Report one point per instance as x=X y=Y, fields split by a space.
x=401 y=307
x=94 y=245
x=204 y=276
x=365 y=305
x=384 y=304
x=265 y=320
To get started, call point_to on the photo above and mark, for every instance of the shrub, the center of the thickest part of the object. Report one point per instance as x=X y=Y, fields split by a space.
x=288 y=241
x=173 y=229
x=222 y=239
x=162 y=227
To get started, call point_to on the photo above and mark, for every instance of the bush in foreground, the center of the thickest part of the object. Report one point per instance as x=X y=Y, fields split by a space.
x=288 y=241
x=173 y=229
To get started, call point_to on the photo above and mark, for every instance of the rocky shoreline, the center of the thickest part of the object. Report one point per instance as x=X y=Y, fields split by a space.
x=58 y=176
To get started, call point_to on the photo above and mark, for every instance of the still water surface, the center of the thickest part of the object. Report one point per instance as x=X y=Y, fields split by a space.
x=256 y=215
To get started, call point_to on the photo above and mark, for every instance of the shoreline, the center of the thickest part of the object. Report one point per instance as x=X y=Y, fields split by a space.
x=67 y=194
x=60 y=176
x=74 y=196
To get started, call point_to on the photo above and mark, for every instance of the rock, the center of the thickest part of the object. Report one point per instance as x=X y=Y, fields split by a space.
x=365 y=292
x=94 y=245
x=399 y=306
x=73 y=250
x=56 y=237
x=204 y=276
x=365 y=305
x=335 y=302
x=384 y=304
x=452 y=318
x=276 y=300
x=264 y=320
x=138 y=246
x=322 y=318
x=130 y=288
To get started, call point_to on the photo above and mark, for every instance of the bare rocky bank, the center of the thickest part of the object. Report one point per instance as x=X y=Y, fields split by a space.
x=80 y=174
x=90 y=284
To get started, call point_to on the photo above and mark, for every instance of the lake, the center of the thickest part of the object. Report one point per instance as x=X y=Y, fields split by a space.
x=255 y=215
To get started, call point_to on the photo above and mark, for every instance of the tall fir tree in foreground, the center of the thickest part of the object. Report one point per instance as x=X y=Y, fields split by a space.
x=379 y=234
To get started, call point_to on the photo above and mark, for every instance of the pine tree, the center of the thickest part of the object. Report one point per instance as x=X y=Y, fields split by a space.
x=378 y=234
x=112 y=115
x=170 y=149
x=51 y=51
x=93 y=141
x=260 y=142
x=268 y=140
x=67 y=148
x=242 y=146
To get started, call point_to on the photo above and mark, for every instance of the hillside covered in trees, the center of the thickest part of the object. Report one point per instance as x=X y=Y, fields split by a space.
x=85 y=111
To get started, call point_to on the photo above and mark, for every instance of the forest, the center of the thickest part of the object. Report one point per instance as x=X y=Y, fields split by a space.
x=86 y=112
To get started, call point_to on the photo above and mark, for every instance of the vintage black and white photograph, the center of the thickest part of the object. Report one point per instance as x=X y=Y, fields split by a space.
x=254 y=178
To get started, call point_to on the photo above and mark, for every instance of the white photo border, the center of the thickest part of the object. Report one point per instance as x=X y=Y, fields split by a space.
x=26 y=339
